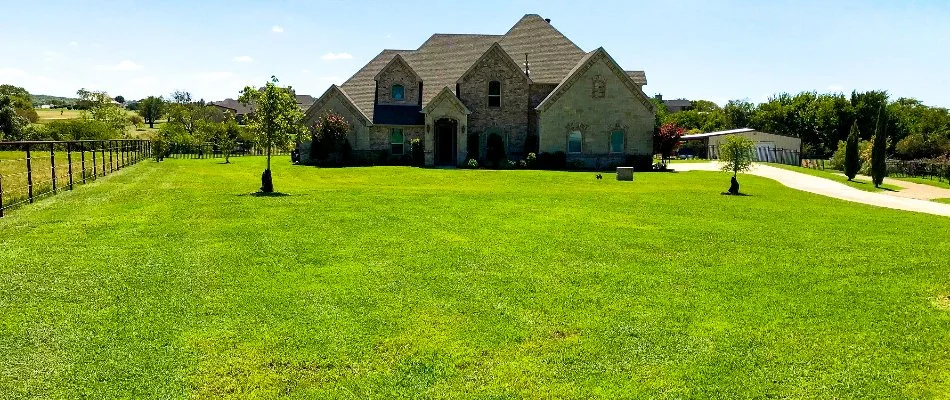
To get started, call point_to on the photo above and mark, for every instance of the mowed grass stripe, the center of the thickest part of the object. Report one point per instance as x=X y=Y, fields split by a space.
x=170 y=280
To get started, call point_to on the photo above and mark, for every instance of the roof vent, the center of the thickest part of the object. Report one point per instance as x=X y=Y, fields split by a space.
x=548 y=20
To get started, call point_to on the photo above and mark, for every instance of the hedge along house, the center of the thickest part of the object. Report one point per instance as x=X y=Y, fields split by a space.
x=532 y=87
x=769 y=147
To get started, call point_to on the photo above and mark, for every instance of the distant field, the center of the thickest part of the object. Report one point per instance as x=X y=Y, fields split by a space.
x=14 y=178
x=47 y=116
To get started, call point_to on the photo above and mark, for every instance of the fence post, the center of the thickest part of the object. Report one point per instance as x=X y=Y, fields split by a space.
x=82 y=156
x=1 y=196
x=111 y=162
x=69 y=160
x=52 y=165
x=29 y=174
x=103 y=150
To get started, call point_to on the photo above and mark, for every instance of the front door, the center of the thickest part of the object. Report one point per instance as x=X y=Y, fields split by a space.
x=445 y=143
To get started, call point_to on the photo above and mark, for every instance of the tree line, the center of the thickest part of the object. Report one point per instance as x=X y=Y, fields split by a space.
x=823 y=121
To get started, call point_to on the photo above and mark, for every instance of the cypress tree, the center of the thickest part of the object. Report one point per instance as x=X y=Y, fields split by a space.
x=879 y=150
x=852 y=158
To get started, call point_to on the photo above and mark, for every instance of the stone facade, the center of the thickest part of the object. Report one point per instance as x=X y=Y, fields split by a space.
x=597 y=101
x=334 y=101
x=510 y=118
x=380 y=136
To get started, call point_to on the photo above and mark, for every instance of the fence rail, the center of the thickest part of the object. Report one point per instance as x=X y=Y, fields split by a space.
x=213 y=150
x=765 y=154
x=930 y=169
x=30 y=170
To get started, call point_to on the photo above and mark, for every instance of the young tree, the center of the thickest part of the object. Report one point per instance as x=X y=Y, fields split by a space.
x=276 y=119
x=879 y=151
x=736 y=155
x=852 y=156
x=102 y=109
x=151 y=109
x=667 y=140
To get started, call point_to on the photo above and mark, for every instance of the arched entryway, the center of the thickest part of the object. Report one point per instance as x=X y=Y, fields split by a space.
x=446 y=142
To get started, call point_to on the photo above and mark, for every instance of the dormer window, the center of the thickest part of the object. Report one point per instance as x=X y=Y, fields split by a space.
x=494 y=94
x=398 y=93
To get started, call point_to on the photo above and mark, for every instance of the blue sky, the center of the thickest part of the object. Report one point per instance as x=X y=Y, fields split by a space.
x=715 y=50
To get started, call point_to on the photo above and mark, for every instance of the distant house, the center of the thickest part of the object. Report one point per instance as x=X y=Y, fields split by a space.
x=241 y=111
x=677 y=105
x=769 y=147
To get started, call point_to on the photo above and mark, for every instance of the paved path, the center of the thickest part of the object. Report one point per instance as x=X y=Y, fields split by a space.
x=830 y=188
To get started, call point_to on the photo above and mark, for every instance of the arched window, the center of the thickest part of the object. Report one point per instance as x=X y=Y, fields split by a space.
x=574 y=140
x=616 y=142
x=397 y=141
x=398 y=92
x=494 y=94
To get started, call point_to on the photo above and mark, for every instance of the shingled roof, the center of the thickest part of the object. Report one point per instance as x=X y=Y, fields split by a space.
x=443 y=58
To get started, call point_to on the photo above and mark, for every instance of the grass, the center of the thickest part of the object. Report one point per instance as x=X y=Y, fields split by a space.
x=924 y=181
x=838 y=177
x=945 y=201
x=688 y=161
x=169 y=280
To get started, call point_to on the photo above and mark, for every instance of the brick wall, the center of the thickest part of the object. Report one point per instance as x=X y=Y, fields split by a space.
x=397 y=73
x=511 y=118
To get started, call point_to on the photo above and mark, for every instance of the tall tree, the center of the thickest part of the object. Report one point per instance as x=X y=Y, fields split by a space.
x=667 y=139
x=276 y=120
x=879 y=150
x=11 y=123
x=738 y=114
x=151 y=108
x=852 y=156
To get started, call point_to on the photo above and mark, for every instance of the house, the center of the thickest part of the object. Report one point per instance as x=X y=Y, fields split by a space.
x=241 y=111
x=676 y=105
x=769 y=147
x=531 y=87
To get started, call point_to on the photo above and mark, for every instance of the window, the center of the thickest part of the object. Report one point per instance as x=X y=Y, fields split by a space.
x=494 y=94
x=616 y=142
x=574 y=142
x=398 y=92
x=397 y=141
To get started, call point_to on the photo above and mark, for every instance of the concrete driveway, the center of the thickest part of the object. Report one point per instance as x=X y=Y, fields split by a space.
x=830 y=188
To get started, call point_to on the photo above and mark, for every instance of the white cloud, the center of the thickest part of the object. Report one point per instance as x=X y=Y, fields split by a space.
x=74 y=43
x=125 y=65
x=215 y=75
x=12 y=72
x=336 y=56
x=277 y=29
x=243 y=59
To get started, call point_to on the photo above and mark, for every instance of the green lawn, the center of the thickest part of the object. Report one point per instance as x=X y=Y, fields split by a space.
x=942 y=200
x=838 y=177
x=925 y=181
x=167 y=280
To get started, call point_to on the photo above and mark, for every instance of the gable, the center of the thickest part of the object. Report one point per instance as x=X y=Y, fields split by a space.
x=610 y=71
x=335 y=100
x=495 y=57
x=446 y=100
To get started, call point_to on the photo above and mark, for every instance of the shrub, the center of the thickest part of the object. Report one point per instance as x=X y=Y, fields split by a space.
x=136 y=119
x=522 y=164
x=532 y=160
x=575 y=165
x=639 y=162
x=495 y=150
x=417 y=151
x=510 y=164
x=329 y=146
x=471 y=163
x=531 y=144
x=552 y=161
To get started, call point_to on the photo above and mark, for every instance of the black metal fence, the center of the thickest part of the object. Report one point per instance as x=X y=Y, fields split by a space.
x=213 y=150
x=765 y=154
x=938 y=169
x=32 y=170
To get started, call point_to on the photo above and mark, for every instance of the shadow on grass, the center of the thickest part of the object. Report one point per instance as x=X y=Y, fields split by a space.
x=736 y=194
x=262 y=194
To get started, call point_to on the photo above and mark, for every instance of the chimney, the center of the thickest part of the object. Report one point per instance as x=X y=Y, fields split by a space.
x=659 y=96
x=548 y=20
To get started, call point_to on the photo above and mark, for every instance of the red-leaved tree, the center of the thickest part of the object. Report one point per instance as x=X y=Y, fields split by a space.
x=667 y=140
